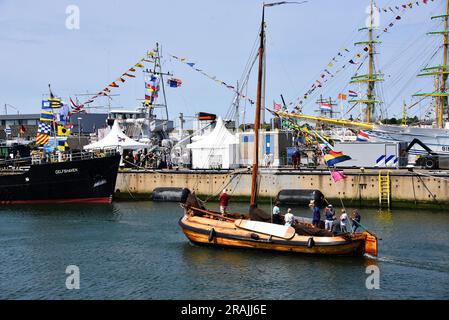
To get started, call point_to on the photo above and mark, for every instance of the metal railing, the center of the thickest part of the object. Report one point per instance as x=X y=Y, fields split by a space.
x=41 y=158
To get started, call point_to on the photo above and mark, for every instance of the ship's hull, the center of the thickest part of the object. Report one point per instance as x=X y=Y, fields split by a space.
x=435 y=139
x=212 y=232
x=79 y=181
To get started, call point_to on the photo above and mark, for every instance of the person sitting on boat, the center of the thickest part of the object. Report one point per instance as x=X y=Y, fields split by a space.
x=316 y=214
x=356 y=217
x=224 y=201
x=277 y=213
x=344 y=221
x=330 y=217
x=289 y=218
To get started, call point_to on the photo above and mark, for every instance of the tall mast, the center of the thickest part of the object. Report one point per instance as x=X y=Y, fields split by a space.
x=443 y=99
x=371 y=77
x=254 y=184
x=369 y=105
x=440 y=72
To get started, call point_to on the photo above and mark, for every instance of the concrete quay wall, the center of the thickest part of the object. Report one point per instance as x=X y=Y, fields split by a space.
x=408 y=189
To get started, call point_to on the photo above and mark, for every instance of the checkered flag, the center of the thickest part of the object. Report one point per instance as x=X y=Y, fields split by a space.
x=44 y=128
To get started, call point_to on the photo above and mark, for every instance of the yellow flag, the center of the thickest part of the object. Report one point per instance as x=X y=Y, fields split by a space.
x=139 y=65
x=63 y=131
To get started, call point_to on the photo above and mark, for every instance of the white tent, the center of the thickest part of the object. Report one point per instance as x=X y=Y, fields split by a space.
x=218 y=149
x=116 y=139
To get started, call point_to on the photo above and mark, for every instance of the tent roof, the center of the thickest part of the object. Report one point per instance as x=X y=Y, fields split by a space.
x=116 y=138
x=220 y=137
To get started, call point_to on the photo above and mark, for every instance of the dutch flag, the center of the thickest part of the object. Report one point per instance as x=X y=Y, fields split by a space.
x=325 y=107
x=353 y=94
x=362 y=136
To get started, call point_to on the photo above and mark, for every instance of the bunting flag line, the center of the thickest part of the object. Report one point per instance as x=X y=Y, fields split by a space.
x=402 y=7
x=152 y=88
x=330 y=71
x=104 y=93
x=230 y=87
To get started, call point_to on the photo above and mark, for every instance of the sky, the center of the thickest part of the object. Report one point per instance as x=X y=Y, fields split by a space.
x=37 y=49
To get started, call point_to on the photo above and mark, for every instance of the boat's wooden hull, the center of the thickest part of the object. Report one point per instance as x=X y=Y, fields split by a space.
x=212 y=232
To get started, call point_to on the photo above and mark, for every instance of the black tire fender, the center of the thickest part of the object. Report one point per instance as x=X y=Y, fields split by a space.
x=310 y=243
x=211 y=235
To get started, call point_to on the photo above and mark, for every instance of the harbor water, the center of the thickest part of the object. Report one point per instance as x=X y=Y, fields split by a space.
x=136 y=250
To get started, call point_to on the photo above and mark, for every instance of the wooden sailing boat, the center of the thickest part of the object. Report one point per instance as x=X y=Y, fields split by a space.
x=203 y=226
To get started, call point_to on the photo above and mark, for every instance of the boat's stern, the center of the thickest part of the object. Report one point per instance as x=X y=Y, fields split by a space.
x=371 y=244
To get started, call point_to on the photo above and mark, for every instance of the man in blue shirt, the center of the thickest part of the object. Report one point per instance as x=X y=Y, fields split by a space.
x=330 y=217
x=356 y=217
x=316 y=214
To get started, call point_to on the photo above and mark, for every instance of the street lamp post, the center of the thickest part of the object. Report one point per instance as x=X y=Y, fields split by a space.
x=79 y=131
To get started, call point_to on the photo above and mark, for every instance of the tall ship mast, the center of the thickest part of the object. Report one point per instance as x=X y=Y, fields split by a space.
x=440 y=73
x=372 y=76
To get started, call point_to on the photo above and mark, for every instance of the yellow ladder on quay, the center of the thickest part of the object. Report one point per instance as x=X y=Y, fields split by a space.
x=384 y=188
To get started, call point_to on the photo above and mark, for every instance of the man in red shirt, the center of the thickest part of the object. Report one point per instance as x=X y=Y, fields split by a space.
x=224 y=200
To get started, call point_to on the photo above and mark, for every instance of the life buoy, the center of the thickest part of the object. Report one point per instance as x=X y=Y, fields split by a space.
x=211 y=235
x=310 y=242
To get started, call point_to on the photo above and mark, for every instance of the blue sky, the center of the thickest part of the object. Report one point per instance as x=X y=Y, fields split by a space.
x=37 y=49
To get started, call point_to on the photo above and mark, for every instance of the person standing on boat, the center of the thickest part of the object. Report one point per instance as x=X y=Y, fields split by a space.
x=356 y=217
x=224 y=201
x=330 y=217
x=289 y=218
x=344 y=221
x=276 y=213
x=316 y=214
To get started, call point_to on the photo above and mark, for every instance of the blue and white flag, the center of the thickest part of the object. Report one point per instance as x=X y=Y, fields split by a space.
x=46 y=104
x=7 y=131
x=44 y=128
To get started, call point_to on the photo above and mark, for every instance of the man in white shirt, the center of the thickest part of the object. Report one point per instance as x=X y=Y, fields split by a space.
x=289 y=218
x=344 y=221
x=276 y=213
